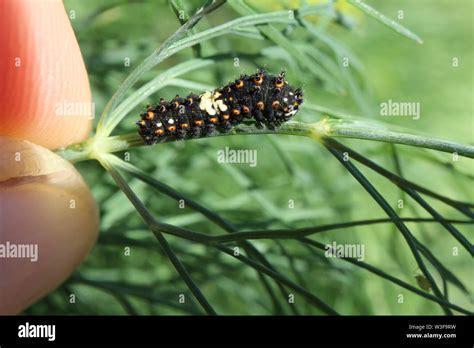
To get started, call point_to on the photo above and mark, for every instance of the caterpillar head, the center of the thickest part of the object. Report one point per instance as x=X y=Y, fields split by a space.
x=293 y=100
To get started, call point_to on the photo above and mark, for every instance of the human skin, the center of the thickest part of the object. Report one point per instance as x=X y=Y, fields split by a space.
x=43 y=199
x=43 y=78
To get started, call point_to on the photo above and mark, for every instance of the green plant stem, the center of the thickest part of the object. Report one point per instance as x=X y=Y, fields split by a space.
x=157 y=227
x=445 y=273
x=157 y=56
x=399 y=181
x=308 y=231
x=347 y=130
x=154 y=226
x=274 y=34
x=385 y=20
x=164 y=79
x=326 y=128
x=133 y=290
x=177 y=6
x=412 y=189
x=212 y=216
x=184 y=274
x=391 y=213
x=394 y=280
x=315 y=244
x=309 y=296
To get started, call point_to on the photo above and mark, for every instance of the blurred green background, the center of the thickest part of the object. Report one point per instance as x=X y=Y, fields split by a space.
x=289 y=168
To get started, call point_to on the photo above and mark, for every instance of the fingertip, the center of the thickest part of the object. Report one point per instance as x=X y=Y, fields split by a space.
x=44 y=90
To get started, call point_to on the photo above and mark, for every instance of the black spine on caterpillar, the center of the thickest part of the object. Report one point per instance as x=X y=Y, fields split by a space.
x=268 y=99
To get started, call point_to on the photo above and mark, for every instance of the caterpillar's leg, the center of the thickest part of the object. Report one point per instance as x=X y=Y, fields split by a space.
x=210 y=128
x=259 y=118
x=270 y=118
x=225 y=127
x=279 y=118
x=181 y=134
x=196 y=132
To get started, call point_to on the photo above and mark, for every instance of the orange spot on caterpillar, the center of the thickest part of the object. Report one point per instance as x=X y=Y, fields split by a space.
x=213 y=120
x=275 y=104
x=159 y=132
x=245 y=109
x=150 y=115
x=239 y=84
x=235 y=112
x=225 y=117
x=198 y=123
x=258 y=80
x=184 y=125
x=171 y=128
x=260 y=105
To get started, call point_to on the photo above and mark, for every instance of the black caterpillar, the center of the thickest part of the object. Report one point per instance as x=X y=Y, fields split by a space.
x=266 y=98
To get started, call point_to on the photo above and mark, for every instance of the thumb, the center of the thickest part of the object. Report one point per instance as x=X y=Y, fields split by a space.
x=48 y=222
